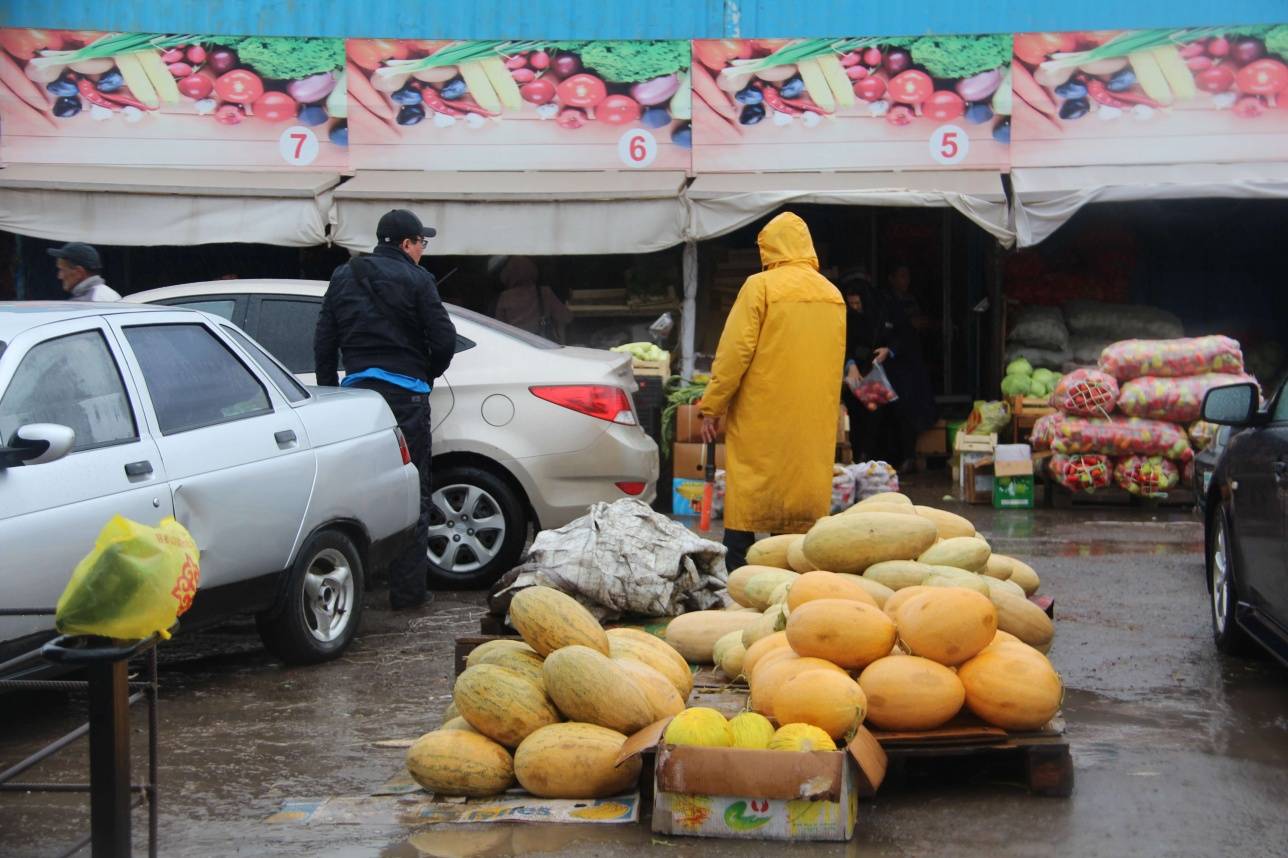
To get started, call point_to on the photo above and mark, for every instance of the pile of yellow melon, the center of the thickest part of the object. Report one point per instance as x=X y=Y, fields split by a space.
x=915 y=618
x=553 y=710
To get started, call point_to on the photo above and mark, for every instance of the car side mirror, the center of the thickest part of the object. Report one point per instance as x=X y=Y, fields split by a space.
x=36 y=444
x=1233 y=405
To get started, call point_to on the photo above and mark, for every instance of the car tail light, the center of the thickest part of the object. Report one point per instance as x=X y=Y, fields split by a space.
x=601 y=401
x=402 y=446
x=632 y=489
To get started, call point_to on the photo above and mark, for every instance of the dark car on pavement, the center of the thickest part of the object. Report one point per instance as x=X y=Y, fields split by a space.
x=1246 y=521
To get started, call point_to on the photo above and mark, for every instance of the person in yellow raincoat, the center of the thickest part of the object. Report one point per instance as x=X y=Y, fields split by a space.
x=775 y=381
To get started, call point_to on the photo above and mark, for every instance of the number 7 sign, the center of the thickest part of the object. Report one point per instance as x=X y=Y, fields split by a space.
x=949 y=145
x=298 y=146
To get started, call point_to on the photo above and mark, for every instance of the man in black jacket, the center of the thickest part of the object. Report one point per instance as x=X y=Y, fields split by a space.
x=383 y=314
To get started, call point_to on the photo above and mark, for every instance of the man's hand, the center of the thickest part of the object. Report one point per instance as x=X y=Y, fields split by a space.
x=880 y=355
x=852 y=375
x=710 y=429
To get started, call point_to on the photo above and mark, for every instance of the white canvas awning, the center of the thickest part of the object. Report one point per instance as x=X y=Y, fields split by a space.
x=722 y=203
x=519 y=212
x=1046 y=197
x=135 y=206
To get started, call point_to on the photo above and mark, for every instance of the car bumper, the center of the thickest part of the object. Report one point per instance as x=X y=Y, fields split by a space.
x=561 y=487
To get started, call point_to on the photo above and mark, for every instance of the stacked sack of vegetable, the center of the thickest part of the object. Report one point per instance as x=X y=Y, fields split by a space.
x=1040 y=337
x=553 y=710
x=918 y=619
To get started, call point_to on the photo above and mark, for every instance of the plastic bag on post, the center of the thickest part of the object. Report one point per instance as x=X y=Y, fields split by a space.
x=1178 y=400
x=1088 y=392
x=137 y=581
x=1082 y=472
x=874 y=389
x=1172 y=358
x=1147 y=475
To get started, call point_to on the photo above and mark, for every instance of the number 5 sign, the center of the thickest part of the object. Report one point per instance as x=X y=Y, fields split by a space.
x=949 y=145
x=637 y=148
x=298 y=146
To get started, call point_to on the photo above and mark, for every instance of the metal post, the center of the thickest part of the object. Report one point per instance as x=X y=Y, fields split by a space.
x=689 y=309
x=109 y=759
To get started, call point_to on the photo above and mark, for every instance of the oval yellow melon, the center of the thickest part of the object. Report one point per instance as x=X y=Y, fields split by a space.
x=661 y=695
x=593 y=689
x=526 y=663
x=655 y=652
x=575 y=761
x=895 y=602
x=731 y=661
x=771 y=551
x=769 y=678
x=888 y=498
x=701 y=726
x=801 y=738
x=796 y=556
x=694 y=635
x=896 y=508
x=721 y=646
x=779 y=596
x=782 y=653
x=852 y=543
x=827 y=585
x=548 y=619
x=1006 y=637
x=849 y=634
x=963 y=552
x=960 y=578
x=751 y=730
x=830 y=701
x=773 y=620
x=948 y=524
x=740 y=577
x=998 y=566
x=760 y=590
x=997 y=585
x=456 y=762
x=761 y=648
x=1011 y=688
x=948 y=626
x=502 y=705
x=1024 y=619
x=906 y=692
x=1023 y=574
x=878 y=591
x=458 y=723
x=489 y=648
x=897 y=574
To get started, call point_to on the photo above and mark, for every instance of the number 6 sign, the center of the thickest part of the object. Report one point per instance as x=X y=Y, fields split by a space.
x=949 y=145
x=637 y=148
x=298 y=146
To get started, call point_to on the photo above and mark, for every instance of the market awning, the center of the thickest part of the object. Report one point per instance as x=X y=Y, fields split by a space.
x=722 y=203
x=134 y=206
x=519 y=212
x=1046 y=197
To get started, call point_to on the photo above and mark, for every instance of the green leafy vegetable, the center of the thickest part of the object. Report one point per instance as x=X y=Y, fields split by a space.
x=289 y=58
x=955 y=57
x=678 y=393
x=1277 y=40
x=628 y=62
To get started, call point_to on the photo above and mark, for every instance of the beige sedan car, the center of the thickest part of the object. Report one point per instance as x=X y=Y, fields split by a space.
x=527 y=433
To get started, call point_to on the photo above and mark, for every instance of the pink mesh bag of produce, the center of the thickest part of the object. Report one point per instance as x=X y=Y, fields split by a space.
x=1178 y=400
x=1082 y=473
x=1115 y=436
x=1147 y=475
x=1044 y=431
x=1172 y=358
x=1086 y=391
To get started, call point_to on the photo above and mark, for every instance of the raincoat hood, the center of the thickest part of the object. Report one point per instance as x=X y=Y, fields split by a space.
x=785 y=240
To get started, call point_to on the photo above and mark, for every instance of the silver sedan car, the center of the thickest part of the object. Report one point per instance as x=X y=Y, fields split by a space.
x=527 y=433
x=292 y=495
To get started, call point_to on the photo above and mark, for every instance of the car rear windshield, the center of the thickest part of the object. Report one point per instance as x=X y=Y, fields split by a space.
x=510 y=331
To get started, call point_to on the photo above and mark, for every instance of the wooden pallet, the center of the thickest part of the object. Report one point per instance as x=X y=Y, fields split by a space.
x=1059 y=497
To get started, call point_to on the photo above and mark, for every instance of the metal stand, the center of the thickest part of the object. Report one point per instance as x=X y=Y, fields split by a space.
x=108 y=728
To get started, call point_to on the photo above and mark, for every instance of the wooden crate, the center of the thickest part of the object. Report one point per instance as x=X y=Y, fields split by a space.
x=651 y=368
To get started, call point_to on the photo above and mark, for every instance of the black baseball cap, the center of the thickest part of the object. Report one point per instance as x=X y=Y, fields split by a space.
x=78 y=254
x=398 y=224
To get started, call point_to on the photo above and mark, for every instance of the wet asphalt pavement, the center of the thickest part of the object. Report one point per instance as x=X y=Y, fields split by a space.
x=1177 y=750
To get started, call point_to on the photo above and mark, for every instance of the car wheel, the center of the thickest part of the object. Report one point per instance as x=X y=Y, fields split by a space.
x=318 y=613
x=1226 y=632
x=477 y=527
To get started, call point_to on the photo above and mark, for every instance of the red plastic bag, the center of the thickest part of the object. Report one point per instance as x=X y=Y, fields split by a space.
x=1086 y=391
x=1113 y=436
x=1082 y=473
x=1178 y=400
x=1147 y=475
x=1172 y=358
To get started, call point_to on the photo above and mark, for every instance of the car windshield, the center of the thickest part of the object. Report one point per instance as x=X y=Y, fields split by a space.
x=502 y=328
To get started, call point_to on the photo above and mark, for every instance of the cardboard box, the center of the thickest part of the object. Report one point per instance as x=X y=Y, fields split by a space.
x=934 y=441
x=690 y=461
x=1013 y=477
x=759 y=795
x=688 y=426
x=973 y=450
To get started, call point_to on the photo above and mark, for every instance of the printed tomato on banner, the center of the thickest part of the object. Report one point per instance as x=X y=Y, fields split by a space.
x=155 y=99
x=516 y=105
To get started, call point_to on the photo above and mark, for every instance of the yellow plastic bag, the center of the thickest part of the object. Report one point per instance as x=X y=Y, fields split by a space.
x=136 y=581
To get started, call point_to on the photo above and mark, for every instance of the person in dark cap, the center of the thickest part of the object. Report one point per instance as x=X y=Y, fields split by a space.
x=78 y=270
x=383 y=314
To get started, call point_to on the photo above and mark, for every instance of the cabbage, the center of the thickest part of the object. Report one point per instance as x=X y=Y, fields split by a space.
x=1037 y=388
x=1019 y=366
x=1046 y=376
x=1016 y=384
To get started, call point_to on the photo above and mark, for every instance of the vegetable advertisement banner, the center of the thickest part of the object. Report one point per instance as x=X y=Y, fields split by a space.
x=1205 y=94
x=519 y=105
x=147 y=99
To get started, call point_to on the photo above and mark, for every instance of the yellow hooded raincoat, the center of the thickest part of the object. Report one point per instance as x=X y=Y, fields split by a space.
x=777 y=379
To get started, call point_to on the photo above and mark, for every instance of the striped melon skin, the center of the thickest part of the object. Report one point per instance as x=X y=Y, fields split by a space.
x=455 y=762
x=502 y=705
x=458 y=723
x=760 y=589
x=694 y=635
x=852 y=543
x=897 y=574
x=662 y=697
x=773 y=620
x=548 y=620
x=741 y=577
x=1023 y=574
x=523 y=662
x=666 y=661
x=948 y=524
x=593 y=689
x=491 y=648
x=796 y=557
x=575 y=761
x=731 y=659
x=1024 y=619
x=962 y=552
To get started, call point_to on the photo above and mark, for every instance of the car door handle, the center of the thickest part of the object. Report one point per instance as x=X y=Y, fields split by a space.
x=286 y=436
x=138 y=469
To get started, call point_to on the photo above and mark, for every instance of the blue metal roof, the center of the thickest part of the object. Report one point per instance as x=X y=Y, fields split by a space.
x=656 y=19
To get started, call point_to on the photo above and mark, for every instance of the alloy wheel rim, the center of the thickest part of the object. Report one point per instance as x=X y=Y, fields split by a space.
x=328 y=595
x=1220 y=580
x=466 y=530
